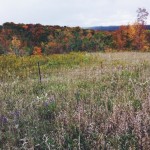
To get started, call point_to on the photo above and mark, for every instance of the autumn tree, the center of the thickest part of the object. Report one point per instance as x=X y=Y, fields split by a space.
x=37 y=51
x=121 y=37
x=140 y=39
x=3 y=44
x=15 y=45
x=142 y=15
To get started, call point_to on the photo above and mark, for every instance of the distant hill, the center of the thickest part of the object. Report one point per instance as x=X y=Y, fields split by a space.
x=104 y=28
x=109 y=28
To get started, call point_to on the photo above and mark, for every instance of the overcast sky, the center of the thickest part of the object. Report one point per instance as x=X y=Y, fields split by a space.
x=82 y=13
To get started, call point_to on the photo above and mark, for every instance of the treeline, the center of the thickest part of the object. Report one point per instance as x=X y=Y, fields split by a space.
x=28 y=39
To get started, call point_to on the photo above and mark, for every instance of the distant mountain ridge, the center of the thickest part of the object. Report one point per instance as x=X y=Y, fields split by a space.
x=110 y=28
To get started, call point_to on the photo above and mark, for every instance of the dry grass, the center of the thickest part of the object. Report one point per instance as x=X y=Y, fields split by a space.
x=98 y=101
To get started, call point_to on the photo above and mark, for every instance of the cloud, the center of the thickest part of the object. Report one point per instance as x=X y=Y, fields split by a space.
x=71 y=12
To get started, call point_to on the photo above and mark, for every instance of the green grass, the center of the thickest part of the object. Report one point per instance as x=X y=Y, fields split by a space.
x=85 y=101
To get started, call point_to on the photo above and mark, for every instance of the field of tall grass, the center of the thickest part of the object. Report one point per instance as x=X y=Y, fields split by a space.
x=85 y=101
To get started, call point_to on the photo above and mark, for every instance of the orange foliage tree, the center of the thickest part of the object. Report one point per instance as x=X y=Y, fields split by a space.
x=37 y=51
x=130 y=37
x=120 y=37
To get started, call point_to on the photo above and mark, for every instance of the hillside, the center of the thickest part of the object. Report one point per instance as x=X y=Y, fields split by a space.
x=37 y=39
x=50 y=39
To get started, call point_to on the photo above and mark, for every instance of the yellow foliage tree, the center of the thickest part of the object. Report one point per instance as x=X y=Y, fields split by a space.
x=16 y=43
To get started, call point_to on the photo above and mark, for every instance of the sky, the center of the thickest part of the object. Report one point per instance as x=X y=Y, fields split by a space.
x=83 y=13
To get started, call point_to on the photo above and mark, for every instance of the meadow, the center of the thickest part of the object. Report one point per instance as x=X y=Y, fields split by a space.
x=85 y=101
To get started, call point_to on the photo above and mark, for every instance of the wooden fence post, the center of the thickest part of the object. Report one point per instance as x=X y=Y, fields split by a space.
x=40 y=78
